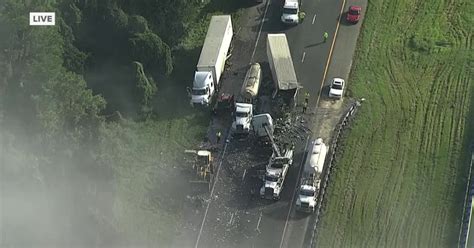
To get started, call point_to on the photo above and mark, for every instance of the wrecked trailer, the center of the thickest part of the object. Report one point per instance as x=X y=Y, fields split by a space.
x=282 y=68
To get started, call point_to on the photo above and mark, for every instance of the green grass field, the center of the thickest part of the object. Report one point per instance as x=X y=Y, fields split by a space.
x=400 y=179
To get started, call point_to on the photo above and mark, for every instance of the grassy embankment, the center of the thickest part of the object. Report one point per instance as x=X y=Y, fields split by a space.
x=147 y=156
x=400 y=179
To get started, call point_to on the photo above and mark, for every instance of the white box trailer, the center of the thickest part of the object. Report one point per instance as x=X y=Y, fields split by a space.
x=311 y=179
x=281 y=65
x=212 y=59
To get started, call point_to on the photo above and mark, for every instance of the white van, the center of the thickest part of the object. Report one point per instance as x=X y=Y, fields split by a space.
x=291 y=11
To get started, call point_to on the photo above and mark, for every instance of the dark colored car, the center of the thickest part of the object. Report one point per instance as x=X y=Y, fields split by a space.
x=224 y=104
x=353 y=15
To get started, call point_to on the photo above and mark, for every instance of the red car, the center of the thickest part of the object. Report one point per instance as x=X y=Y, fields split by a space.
x=353 y=15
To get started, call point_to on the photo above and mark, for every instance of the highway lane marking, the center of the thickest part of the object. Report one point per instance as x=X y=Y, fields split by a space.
x=212 y=193
x=258 y=223
x=330 y=51
x=314 y=19
x=243 y=176
x=303 y=160
x=231 y=218
x=260 y=30
x=302 y=59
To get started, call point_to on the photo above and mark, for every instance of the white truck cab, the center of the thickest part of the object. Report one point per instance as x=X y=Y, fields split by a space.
x=272 y=186
x=259 y=122
x=275 y=174
x=203 y=88
x=243 y=118
x=291 y=11
x=308 y=193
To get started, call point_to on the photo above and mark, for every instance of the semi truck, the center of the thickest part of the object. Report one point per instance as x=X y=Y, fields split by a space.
x=212 y=60
x=283 y=71
x=244 y=106
x=311 y=179
x=276 y=172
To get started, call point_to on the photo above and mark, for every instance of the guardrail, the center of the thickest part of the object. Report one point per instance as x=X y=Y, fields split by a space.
x=330 y=164
x=466 y=217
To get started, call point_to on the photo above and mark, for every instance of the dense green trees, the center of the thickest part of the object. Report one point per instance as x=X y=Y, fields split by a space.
x=145 y=86
x=118 y=32
x=152 y=52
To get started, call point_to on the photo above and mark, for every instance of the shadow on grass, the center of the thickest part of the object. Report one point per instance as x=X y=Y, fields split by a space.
x=115 y=83
x=172 y=100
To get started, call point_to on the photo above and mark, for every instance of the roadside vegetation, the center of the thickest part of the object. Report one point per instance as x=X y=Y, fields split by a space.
x=94 y=119
x=402 y=170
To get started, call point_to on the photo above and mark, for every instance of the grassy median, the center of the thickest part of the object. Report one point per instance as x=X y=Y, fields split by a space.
x=401 y=175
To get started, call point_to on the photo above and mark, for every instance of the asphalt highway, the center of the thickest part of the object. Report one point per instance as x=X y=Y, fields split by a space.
x=235 y=216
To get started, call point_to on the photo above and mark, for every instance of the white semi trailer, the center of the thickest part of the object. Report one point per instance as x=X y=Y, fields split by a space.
x=283 y=71
x=212 y=60
x=311 y=180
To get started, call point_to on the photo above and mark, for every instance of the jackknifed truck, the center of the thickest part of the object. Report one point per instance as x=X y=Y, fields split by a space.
x=212 y=60
x=311 y=179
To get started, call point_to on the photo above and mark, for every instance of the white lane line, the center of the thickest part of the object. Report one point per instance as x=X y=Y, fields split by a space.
x=258 y=223
x=302 y=59
x=294 y=192
x=260 y=30
x=243 y=176
x=212 y=194
x=231 y=218
x=314 y=18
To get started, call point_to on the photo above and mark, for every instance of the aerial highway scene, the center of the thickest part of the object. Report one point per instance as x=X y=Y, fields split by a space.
x=236 y=123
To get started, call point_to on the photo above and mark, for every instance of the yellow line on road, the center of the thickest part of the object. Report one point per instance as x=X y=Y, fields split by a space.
x=330 y=52
x=282 y=243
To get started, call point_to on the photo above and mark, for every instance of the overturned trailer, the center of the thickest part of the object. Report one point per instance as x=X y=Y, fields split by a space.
x=283 y=71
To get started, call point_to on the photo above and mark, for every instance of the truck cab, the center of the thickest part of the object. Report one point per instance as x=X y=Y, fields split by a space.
x=261 y=124
x=243 y=117
x=203 y=88
x=274 y=178
x=307 y=195
x=273 y=184
x=291 y=11
x=275 y=174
